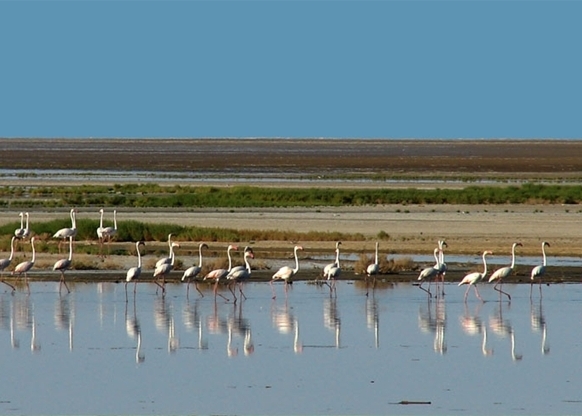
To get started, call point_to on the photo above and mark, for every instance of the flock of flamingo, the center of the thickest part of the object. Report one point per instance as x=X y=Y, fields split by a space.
x=237 y=275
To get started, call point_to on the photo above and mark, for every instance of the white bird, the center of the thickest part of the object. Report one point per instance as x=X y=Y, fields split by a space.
x=109 y=232
x=285 y=273
x=237 y=277
x=218 y=274
x=163 y=270
x=191 y=272
x=442 y=265
x=64 y=264
x=19 y=232
x=25 y=266
x=538 y=271
x=4 y=263
x=372 y=270
x=429 y=273
x=333 y=273
x=167 y=260
x=65 y=233
x=330 y=265
x=473 y=278
x=503 y=272
x=134 y=272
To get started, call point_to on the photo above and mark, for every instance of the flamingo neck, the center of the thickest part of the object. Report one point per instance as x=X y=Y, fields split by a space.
x=27 y=220
x=229 y=259
x=376 y=257
x=296 y=269
x=70 y=248
x=115 y=219
x=248 y=266
x=484 y=264
x=337 y=257
x=33 y=251
x=11 y=248
x=73 y=220
x=138 y=256
x=21 y=220
x=101 y=220
x=200 y=256
x=512 y=256
x=544 y=254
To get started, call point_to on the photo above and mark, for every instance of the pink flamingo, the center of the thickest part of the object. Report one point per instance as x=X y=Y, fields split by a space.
x=218 y=274
x=191 y=272
x=134 y=272
x=503 y=272
x=285 y=273
x=64 y=264
x=538 y=271
x=473 y=278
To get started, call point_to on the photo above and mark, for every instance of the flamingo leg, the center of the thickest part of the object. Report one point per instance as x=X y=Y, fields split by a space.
x=216 y=292
x=241 y=291
x=188 y=288
x=477 y=293
x=501 y=291
x=427 y=291
x=134 y=288
x=232 y=291
x=273 y=290
x=63 y=282
x=467 y=293
x=126 y=292
x=197 y=288
x=8 y=284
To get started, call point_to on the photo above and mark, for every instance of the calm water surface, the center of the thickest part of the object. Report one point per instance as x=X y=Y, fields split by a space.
x=91 y=352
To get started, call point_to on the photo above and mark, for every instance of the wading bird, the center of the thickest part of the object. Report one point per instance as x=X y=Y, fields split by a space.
x=473 y=278
x=218 y=274
x=191 y=272
x=286 y=273
x=238 y=277
x=372 y=270
x=429 y=273
x=65 y=233
x=25 y=266
x=503 y=272
x=539 y=271
x=64 y=264
x=134 y=272
x=4 y=263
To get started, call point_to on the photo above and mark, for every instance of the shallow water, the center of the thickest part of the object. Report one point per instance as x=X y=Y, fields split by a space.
x=91 y=352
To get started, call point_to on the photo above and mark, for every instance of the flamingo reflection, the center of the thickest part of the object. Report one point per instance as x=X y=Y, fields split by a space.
x=331 y=318
x=473 y=325
x=372 y=318
x=133 y=329
x=64 y=318
x=435 y=322
x=502 y=328
x=538 y=323
x=193 y=321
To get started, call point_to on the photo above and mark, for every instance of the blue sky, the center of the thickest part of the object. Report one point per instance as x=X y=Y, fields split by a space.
x=374 y=69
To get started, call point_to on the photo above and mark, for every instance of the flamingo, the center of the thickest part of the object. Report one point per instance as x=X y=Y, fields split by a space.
x=64 y=264
x=193 y=271
x=372 y=270
x=285 y=273
x=168 y=260
x=25 y=266
x=218 y=274
x=429 y=273
x=163 y=270
x=539 y=271
x=4 y=263
x=330 y=265
x=473 y=278
x=333 y=273
x=65 y=233
x=503 y=272
x=239 y=276
x=19 y=232
x=134 y=272
x=442 y=265
x=109 y=232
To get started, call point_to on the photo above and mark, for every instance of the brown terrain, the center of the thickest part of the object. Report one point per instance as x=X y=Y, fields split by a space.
x=412 y=229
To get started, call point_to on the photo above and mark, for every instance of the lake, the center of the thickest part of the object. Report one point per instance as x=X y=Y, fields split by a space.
x=305 y=352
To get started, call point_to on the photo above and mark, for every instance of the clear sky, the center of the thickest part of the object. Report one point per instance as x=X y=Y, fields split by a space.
x=373 y=69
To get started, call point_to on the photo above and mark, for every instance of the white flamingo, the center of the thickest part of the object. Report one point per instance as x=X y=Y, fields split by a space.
x=442 y=265
x=65 y=233
x=191 y=272
x=63 y=264
x=330 y=265
x=162 y=271
x=4 y=263
x=503 y=272
x=285 y=273
x=372 y=270
x=218 y=274
x=429 y=273
x=333 y=273
x=25 y=266
x=473 y=278
x=237 y=277
x=134 y=272
x=171 y=245
x=110 y=231
x=19 y=232
x=539 y=271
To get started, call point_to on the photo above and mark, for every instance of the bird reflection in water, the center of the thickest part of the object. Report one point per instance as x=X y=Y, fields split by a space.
x=164 y=322
x=503 y=329
x=473 y=325
x=285 y=322
x=331 y=318
x=133 y=329
x=237 y=325
x=193 y=321
x=435 y=321
x=538 y=324
x=64 y=317
x=372 y=317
